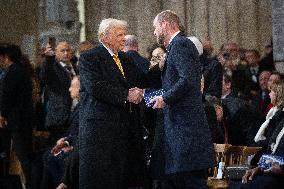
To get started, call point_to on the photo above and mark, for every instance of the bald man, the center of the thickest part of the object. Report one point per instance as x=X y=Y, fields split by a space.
x=56 y=74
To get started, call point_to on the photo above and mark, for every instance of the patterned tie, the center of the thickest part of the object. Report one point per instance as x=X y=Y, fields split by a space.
x=116 y=59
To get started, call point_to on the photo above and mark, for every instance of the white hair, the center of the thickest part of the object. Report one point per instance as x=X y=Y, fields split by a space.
x=197 y=44
x=107 y=24
x=131 y=41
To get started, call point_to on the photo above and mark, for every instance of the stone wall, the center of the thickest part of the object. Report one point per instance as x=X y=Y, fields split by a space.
x=18 y=24
x=247 y=22
x=278 y=34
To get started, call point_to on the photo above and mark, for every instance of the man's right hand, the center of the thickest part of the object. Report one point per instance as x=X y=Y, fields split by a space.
x=61 y=186
x=59 y=145
x=3 y=122
x=250 y=174
x=135 y=95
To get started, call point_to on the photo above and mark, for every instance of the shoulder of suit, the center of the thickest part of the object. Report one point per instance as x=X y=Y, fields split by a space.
x=94 y=52
x=182 y=40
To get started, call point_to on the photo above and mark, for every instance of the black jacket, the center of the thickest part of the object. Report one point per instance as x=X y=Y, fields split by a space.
x=56 y=81
x=17 y=105
x=212 y=73
x=141 y=62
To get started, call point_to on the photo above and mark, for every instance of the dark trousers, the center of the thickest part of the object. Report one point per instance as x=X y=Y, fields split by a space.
x=71 y=174
x=187 y=180
x=53 y=170
x=22 y=144
x=5 y=143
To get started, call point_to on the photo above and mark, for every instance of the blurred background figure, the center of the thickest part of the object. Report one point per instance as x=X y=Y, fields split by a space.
x=131 y=48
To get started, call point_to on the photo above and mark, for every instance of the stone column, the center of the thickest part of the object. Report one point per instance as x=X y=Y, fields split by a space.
x=126 y=10
x=94 y=14
x=189 y=17
x=59 y=19
x=248 y=24
x=218 y=24
x=201 y=19
x=232 y=19
x=278 y=33
x=146 y=10
x=264 y=23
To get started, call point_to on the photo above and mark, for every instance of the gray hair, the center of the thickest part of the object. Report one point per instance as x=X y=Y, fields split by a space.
x=131 y=41
x=170 y=17
x=107 y=24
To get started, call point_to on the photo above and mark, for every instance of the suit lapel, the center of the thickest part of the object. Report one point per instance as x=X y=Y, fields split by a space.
x=63 y=71
x=167 y=55
x=169 y=49
x=112 y=65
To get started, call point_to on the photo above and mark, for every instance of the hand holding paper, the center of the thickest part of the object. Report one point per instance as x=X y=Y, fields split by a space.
x=153 y=98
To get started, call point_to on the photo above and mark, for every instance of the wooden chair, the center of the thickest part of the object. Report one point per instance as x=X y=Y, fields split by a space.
x=249 y=151
x=220 y=156
x=231 y=155
x=234 y=155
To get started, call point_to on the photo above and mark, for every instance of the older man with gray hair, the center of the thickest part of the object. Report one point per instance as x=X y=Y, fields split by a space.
x=131 y=48
x=108 y=94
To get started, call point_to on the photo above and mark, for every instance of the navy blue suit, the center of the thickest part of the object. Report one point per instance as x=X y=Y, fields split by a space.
x=187 y=140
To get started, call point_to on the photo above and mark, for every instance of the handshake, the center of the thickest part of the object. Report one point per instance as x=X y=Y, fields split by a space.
x=135 y=95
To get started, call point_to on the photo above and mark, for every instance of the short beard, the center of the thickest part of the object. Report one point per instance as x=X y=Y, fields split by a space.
x=161 y=39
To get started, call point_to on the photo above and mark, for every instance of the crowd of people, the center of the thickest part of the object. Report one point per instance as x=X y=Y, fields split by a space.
x=101 y=133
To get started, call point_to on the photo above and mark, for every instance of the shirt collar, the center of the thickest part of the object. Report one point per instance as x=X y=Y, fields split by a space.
x=62 y=64
x=173 y=36
x=108 y=49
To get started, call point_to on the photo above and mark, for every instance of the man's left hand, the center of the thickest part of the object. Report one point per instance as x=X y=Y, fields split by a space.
x=3 y=122
x=158 y=102
x=274 y=169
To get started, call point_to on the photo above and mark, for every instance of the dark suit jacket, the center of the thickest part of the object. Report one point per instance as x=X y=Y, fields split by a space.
x=56 y=81
x=105 y=133
x=188 y=144
x=17 y=105
x=73 y=129
x=212 y=73
x=141 y=62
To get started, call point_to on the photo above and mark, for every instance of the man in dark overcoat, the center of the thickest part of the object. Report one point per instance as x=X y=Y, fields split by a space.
x=108 y=97
x=17 y=108
x=188 y=148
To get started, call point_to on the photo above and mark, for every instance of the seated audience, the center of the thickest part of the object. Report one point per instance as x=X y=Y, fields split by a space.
x=54 y=159
x=267 y=63
x=261 y=99
x=216 y=119
x=274 y=116
x=242 y=119
x=260 y=178
x=212 y=72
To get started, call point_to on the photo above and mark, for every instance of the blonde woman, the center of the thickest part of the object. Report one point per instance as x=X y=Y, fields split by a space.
x=274 y=116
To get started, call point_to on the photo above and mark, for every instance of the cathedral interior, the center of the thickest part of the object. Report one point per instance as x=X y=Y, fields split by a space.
x=30 y=23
